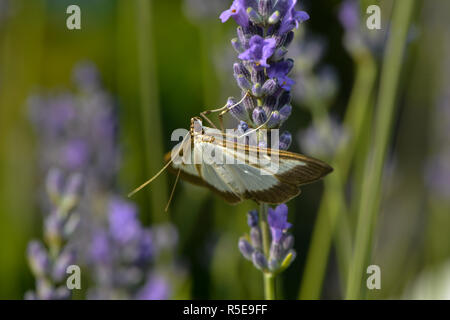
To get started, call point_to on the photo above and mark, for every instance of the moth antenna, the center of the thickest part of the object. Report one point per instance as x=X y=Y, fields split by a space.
x=225 y=108
x=160 y=171
x=150 y=180
x=173 y=190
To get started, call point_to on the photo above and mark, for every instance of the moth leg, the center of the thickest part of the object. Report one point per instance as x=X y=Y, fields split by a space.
x=222 y=111
x=203 y=114
x=256 y=129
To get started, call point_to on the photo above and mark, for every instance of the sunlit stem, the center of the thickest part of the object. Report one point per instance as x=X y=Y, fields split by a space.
x=269 y=278
x=332 y=217
x=371 y=188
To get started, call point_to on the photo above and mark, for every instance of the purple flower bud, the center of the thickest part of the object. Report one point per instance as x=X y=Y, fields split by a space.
x=294 y=255
x=259 y=116
x=73 y=186
x=252 y=218
x=237 y=111
x=270 y=103
x=243 y=82
x=274 y=18
x=237 y=45
x=285 y=98
x=257 y=75
x=246 y=248
x=288 y=242
x=257 y=90
x=288 y=39
x=54 y=184
x=38 y=259
x=249 y=104
x=285 y=140
x=259 y=261
x=270 y=87
x=254 y=16
x=274 y=265
x=279 y=53
x=256 y=237
x=276 y=250
x=53 y=229
x=285 y=112
x=243 y=36
x=240 y=69
x=44 y=289
x=274 y=119
x=65 y=259
x=265 y=7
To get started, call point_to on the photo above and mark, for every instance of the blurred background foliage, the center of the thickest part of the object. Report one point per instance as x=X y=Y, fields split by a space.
x=164 y=62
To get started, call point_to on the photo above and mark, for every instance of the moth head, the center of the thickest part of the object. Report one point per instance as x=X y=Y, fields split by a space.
x=196 y=126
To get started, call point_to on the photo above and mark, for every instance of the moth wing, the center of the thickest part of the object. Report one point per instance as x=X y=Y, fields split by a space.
x=203 y=175
x=264 y=183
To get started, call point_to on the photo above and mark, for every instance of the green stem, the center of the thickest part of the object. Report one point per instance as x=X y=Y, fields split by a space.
x=269 y=286
x=269 y=278
x=332 y=209
x=150 y=113
x=371 y=189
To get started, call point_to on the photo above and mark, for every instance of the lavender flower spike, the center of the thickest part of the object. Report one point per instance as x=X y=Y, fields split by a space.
x=49 y=262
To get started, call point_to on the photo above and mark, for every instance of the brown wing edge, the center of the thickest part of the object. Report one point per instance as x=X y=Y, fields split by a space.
x=227 y=196
x=287 y=189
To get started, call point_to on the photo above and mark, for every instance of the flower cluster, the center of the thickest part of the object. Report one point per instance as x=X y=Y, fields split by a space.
x=77 y=133
x=315 y=83
x=48 y=262
x=321 y=140
x=123 y=253
x=281 y=247
x=265 y=32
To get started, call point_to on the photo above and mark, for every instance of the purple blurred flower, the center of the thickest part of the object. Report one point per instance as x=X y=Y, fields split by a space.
x=322 y=140
x=48 y=260
x=260 y=50
x=123 y=224
x=156 y=288
x=252 y=218
x=349 y=15
x=100 y=250
x=75 y=154
x=278 y=221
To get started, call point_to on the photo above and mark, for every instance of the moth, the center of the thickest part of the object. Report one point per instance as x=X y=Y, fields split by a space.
x=238 y=171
